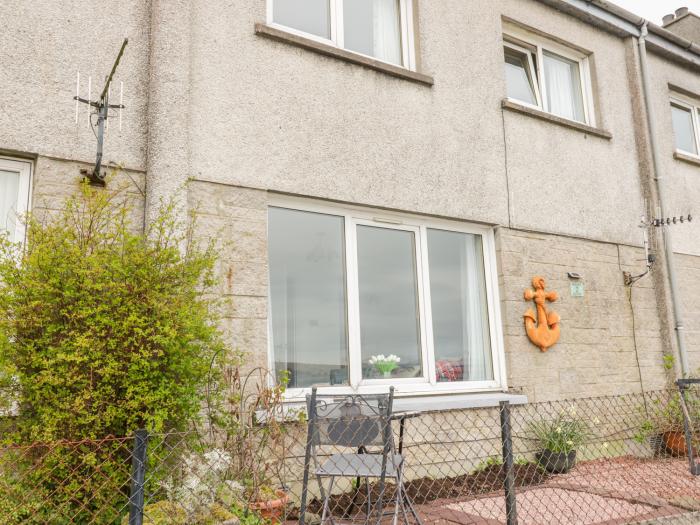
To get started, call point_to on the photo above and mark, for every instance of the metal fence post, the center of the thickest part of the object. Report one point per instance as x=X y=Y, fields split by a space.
x=509 y=482
x=138 y=477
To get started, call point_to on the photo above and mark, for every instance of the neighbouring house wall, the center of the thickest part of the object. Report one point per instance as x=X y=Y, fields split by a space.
x=681 y=178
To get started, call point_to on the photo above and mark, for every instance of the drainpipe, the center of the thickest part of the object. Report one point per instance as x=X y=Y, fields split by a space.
x=661 y=191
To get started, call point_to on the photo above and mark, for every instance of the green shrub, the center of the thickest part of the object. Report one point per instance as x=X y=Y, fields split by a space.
x=103 y=330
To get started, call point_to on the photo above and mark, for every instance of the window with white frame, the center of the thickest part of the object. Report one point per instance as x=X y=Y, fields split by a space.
x=347 y=286
x=548 y=76
x=381 y=29
x=14 y=196
x=684 y=117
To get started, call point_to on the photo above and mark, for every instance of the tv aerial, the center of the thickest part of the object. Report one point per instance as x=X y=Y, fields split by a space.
x=100 y=107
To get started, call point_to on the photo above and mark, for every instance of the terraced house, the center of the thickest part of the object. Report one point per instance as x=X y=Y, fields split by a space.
x=392 y=175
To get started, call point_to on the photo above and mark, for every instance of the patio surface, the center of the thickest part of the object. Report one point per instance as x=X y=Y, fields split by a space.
x=601 y=492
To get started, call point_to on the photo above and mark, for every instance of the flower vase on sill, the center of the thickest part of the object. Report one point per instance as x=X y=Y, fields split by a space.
x=385 y=365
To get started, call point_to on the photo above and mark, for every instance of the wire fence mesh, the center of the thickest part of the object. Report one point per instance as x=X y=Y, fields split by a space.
x=600 y=460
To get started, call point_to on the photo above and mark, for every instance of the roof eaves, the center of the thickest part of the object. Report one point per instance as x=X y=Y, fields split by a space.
x=621 y=22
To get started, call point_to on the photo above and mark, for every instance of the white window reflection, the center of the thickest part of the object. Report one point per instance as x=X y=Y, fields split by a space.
x=9 y=193
x=683 y=129
x=373 y=28
x=519 y=76
x=307 y=297
x=309 y=16
x=388 y=291
x=459 y=308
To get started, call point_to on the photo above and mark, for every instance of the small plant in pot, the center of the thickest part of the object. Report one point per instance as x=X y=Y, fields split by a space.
x=385 y=365
x=670 y=425
x=559 y=438
x=663 y=425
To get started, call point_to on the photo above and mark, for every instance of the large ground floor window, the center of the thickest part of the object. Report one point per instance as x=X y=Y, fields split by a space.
x=361 y=298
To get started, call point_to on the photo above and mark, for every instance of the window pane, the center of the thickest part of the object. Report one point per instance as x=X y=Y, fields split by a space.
x=373 y=27
x=9 y=188
x=519 y=82
x=386 y=261
x=683 y=129
x=307 y=297
x=310 y=16
x=563 y=80
x=459 y=309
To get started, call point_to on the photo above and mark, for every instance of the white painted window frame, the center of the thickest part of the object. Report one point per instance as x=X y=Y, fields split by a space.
x=532 y=71
x=535 y=46
x=24 y=191
x=337 y=39
x=695 y=121
x=428 y=384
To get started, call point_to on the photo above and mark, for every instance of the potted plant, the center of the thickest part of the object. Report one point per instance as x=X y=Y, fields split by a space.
x=559 y=438
x=385 y=365
x=664 y=426
x=252 y=421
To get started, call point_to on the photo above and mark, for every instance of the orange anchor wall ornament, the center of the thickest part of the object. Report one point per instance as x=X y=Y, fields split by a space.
x=543 y=330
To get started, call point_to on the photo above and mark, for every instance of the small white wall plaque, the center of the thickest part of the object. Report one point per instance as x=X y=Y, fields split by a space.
x=577 y=289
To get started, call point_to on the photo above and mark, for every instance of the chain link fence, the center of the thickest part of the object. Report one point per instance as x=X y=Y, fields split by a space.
x=600 y=460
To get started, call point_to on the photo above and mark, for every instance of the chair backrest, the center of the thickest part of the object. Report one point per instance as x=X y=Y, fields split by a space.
x=352 y=420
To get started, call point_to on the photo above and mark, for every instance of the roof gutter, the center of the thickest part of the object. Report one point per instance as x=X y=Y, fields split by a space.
x=621 y=22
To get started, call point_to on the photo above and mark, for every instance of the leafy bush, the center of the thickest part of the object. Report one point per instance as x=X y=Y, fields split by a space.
x=103 y=330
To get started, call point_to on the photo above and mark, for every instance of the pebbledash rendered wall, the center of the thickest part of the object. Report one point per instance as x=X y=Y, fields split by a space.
x=243 y=116
x=561 y=200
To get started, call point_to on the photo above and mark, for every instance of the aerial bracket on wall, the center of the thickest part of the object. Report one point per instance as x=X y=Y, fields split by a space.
x=100 y=107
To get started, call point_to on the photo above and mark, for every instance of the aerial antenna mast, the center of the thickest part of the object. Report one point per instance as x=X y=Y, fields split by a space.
x=101 y=109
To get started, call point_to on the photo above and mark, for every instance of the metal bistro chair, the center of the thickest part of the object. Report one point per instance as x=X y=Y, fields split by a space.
x=361 y=423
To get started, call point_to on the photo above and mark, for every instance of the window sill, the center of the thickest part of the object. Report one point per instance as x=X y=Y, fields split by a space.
x=560 y=121
x=430 y=403
x=280 y=35
x=685 y=157
x=438 y=403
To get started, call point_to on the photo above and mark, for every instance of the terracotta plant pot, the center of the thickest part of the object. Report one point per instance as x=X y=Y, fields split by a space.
x=272 y=510
x=556 y=462
x=675 y=444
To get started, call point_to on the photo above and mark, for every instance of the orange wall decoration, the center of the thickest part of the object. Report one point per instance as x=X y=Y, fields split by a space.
x=543 y=328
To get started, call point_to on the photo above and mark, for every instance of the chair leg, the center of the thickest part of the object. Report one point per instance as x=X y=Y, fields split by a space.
x=397 y=496
x=326 y=499
x=400 y=500
x=406 y=501
x=369 y=501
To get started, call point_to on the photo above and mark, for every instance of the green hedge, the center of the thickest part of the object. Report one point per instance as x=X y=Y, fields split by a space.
x=103 y=330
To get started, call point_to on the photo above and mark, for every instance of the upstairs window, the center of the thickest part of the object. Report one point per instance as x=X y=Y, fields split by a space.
x=548 y=77
x=684 y=117
x=381 y=29
x=14 y=196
